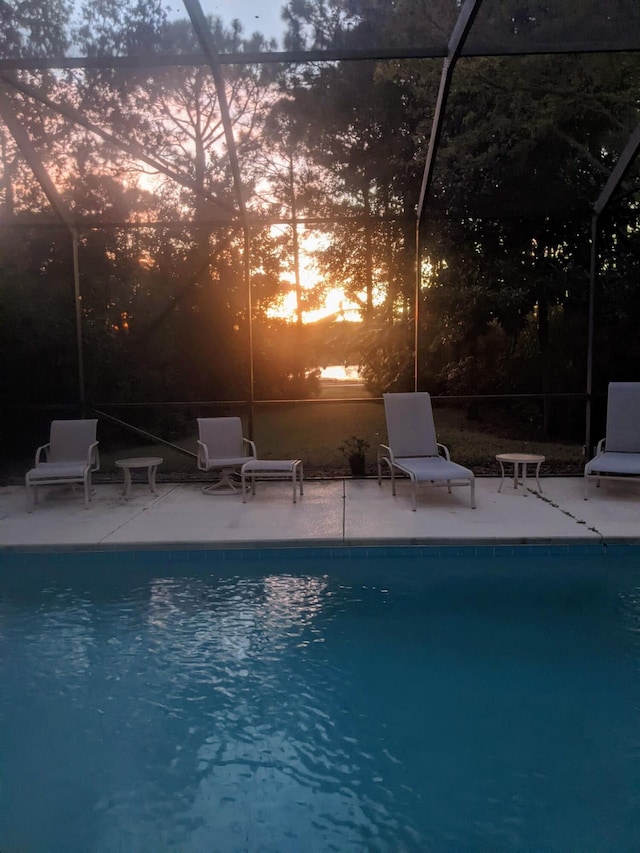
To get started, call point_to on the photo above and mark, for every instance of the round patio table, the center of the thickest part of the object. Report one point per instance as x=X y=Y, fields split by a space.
x=149 y=462
x=520 y=462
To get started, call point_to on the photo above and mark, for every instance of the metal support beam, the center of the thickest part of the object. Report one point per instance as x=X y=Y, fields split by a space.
x=156 y=439
x=41 y=174
x=623 y=42
x=247 y=275
x=203 y=33
x=33 y=159
x=55 y=200
x=210 y=51
x=77 y=298
x=456 y=42
x=625 y=161
x=593 y=277
x=416 y=331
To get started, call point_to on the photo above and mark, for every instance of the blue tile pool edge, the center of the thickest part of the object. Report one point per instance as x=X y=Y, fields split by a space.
x=14 y=557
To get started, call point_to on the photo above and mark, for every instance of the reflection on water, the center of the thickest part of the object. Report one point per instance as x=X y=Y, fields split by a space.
x=298 y=711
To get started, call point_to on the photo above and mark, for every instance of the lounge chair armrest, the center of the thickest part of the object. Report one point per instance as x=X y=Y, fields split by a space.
x=252 y=447
x=43 y=449
x=600 y=447
x=445 y=451
x=93 y=457
x=203 y=456
x=385 y=452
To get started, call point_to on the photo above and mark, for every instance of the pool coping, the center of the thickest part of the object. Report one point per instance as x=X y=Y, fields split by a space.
x=288 y=550
x=333 y=515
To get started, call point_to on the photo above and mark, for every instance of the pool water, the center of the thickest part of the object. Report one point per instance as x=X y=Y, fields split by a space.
x=178 y=702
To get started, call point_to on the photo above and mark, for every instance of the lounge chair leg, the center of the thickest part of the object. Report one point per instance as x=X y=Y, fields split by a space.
x=30 y=498
x=224 y=486
x=473 y=493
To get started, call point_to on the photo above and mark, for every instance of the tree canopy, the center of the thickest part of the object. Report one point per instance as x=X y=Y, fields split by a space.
x=179 y=280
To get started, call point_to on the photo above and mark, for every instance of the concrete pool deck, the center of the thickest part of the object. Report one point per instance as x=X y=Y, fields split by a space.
x=331 y=512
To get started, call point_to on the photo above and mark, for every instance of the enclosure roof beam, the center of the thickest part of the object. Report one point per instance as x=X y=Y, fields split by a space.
x=98 y=223
x=628 y=43
x=210 y=51
x=132 y=148
x=624 y=163
x=34 y=160
x=619 y=171
x=456 y=42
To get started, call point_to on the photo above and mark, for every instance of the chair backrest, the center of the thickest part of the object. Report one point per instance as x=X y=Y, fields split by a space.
x=410 y=426
x=623 y=417
x=69 y=441
x=222 y=436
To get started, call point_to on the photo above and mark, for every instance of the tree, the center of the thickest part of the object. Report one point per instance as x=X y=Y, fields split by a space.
x=503 y=257
x=361 y=127
x=34 y=27
x=538 y=164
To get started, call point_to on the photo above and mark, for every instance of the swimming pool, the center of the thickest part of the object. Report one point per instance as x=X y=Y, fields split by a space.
x=385 y=701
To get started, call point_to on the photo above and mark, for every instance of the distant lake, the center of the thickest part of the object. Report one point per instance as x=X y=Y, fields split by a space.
x=340 y=373
x=338 y=382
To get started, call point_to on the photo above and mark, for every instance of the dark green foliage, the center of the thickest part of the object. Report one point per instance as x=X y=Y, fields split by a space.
x=527 y=145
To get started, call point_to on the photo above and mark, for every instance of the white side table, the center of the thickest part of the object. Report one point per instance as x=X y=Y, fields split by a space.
x=520 y=462
x=149 y=462
x=271 y=468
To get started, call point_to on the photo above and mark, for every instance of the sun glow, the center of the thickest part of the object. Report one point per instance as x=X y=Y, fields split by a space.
x=334 y=302
x=335 y=305
x=340 y=373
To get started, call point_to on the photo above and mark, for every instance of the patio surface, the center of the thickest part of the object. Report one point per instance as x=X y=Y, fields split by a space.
x=331 y=512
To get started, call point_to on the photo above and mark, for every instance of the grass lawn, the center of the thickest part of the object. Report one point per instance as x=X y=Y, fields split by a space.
x=314 y=431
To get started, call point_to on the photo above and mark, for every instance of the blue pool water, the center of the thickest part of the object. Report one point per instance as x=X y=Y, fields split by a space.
x=184 y=702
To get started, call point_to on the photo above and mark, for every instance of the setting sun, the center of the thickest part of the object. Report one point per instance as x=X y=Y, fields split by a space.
x=335 y=305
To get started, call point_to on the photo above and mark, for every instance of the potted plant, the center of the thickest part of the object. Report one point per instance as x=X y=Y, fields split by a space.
x=353 y=450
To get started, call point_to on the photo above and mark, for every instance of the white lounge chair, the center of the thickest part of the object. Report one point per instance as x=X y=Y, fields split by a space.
x=70 y=457
x=618 y=454
x=413 y=449
x=222 y=447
